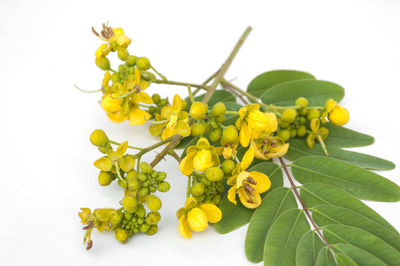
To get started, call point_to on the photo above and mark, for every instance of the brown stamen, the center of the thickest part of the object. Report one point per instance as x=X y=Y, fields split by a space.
x=251 y=180
x=249 y=190
x=89 y=245
x=273 y=143
x=89 y=225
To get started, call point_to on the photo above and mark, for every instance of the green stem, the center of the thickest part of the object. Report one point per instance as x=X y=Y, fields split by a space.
x=324 y=148
x=190 y=94
x=178 y=83
x=152 y=147
x=188 y=186
x=87 y=91
x=232 y=112
x=131 y=147
x=119 y=173
x=158 y=73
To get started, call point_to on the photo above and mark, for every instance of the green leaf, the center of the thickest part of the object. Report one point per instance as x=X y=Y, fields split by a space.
x=240 y=153
x=268 y=79
x=308 y=248
x=232 y=106
x=273 y=205
x=299 y=149
x=235 y=216
x=362 y=239
x=191 y=141
x=359 y=256
x=344 y=260
x=344 y=137
x=184 y=142
x=358 y=181
x=218 y=96
x=316 y=91
x=283 y=237
x=328 y=214
x=325 y=258
x=314 y=194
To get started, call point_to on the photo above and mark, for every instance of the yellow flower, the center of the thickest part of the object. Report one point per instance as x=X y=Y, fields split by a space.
x=84 y=215
x=248 y=185
x=337 y=114
x=269 y=147
x=114 y=38
x=156 y=129
x=103 y=50
x=195 y=217
x=252 y=123
x=176 y=120
x=199 y=157
x=228 y=149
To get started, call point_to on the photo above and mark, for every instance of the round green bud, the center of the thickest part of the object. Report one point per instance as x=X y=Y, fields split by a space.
x=213 y=123
x=156 y=98
x=153 y=189
x=153 y=218
x=128 y=216
x=302 y=120
x=104 y=178
x=103 y=149
x=153 y=229
x=99 y=138
x=301 y=131
x=313 y=113
x=122 y=184
x=289 y=115
x=131 y=60
x=144 y=228
x=200 y=198
x=121 y=235
x=184 y=105
x=283 y=124
x=301 y=101
x=145 y=184
x=153 y=202
x=284 y=134
x=163 y=186
x=140 y=221
x=131 y=175
x=217 y=199
x=140 y=211
x=124 y=221
x=164 y=102
x=115 y=77
x=198 y=110
x=197 y=189
x=215 y=135
x=129 y=203
x=123 y=54
x=146 y=168
x=128 y=226
x=131 y=71
x=303 y=112
x=205 y=181
x=293 y=133
x=103 y=63
x=116 y=218
x=144 y=191
x=199 y=129
x=220 y=118
x=214 y=174
x=142 y=177
x=143 y=63
x=230 y=134
x=161 y=176
x=154 y=174
x=218 y=109
x=227 y=166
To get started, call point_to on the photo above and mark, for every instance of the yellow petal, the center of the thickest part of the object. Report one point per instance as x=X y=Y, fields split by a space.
x=116 y=117
x=248 y=157
x=166 y=112
x=215 y=159
x=278 y=151
x=103 y=164
x=197 y=220
x=184 y=229
x=186 y=165
x=330 y=104
x=244 y=135
x=144 y=98
x=241 y=178
x=248 y=201
x=121 y=149
x=232 y=180
x=203 y=143
x=314 y=125
x=137 y=76
x=138 y=116
x=167 y=132
x=177 y=104
x=263 y=182
x=202 y=160
x=219 y=150
x=110 y=103
x=190 y=203
x=212 y=212
x=339 y=116
x=182 y=128
x=232 y=195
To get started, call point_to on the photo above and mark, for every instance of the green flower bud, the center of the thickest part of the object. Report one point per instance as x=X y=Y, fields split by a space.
x=104 y=178
x=142 y=177
x=184 y=105
x=140 y=211
x=301 y=101
x=144 y=228
x=163 y=186
x=301 y=131
x=164 y=102
x=103 y=63
x=197 y=189
x=153 y=189
x=153 y=203
x=293 y=133
x=284 y=134
x=153 y=218
x=313 y=113
x=115 y=77
x=140 y=221
x=121 y=235
x=154 y=174
x=131 y=175
x=303 y=112
x=122 y=184
x=199 y=129
x=116 y=218
x=302 y=120
x=153 y=229
x=129 y=203
x=227 y=166
x=198 y=110
x=128 y=216
x=146 y=75
x=289 y=115
x=145 y=184
x=161 y=176
x=123 y=54
x=214 y=174
x=283 y=124
x=143 y=191
x=217 y=199
x=213 y=123
x=200 y=198
x=146 y=168
x=220 y=118
x=218 y=109
x=131 y=60
x=215 y=135
x=230 y=134
x=156 y=98
x=143 y=63
x=205 y=181
x=99 y=138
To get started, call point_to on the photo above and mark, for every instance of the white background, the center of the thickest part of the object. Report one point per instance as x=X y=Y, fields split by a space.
x=46 y=158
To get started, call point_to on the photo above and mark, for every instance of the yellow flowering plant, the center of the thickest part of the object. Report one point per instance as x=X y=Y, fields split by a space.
x=233 y=146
